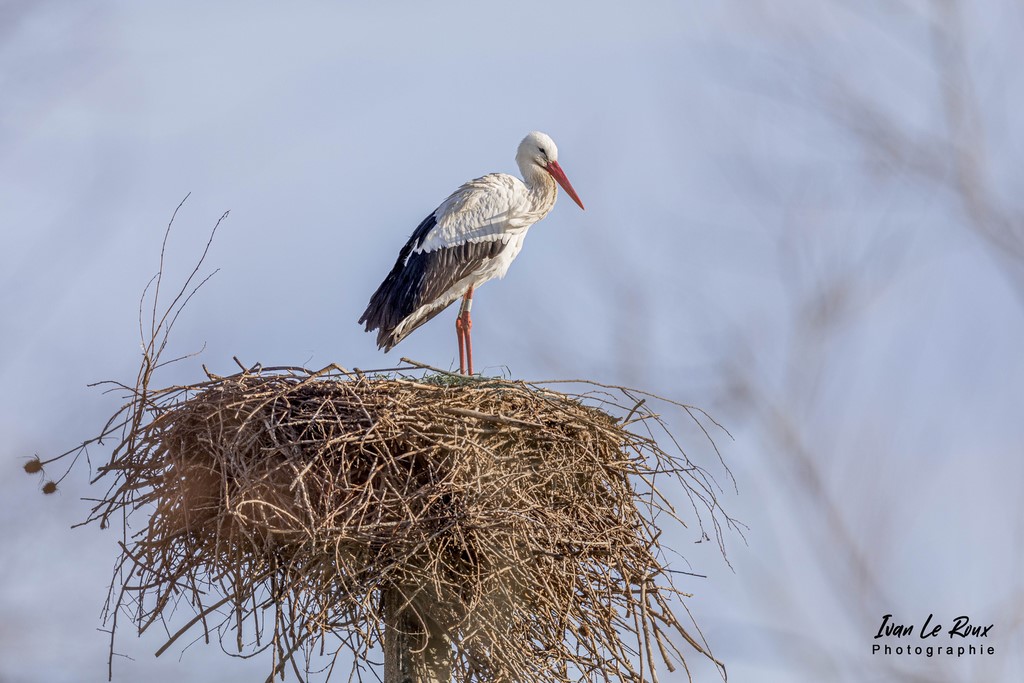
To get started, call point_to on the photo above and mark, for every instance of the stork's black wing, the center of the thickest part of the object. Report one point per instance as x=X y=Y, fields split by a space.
x=415 y=290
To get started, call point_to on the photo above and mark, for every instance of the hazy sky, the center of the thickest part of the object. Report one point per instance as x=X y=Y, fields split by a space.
x=723 y=193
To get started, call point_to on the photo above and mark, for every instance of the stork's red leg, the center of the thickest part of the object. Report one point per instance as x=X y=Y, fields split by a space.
x=461 y=335
x=466 y=327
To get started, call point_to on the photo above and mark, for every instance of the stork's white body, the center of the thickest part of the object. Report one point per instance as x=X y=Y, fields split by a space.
x=472 y=237
x=497 y=209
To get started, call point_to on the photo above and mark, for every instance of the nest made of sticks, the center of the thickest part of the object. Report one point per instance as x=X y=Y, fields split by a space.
x=285 y=507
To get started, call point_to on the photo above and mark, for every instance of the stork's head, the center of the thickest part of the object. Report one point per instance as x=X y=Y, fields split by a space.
x=538 y=151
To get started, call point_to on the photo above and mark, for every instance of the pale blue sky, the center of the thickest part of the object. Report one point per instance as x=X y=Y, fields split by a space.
x=723 y=192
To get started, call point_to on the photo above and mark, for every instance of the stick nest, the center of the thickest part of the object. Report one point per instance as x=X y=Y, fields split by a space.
x=285 y=507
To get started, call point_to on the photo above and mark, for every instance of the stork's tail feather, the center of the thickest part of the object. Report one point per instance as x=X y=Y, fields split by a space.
x=389 y=331
x=374 y=319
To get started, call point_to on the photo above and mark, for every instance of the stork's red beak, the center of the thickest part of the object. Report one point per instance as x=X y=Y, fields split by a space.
x=559 y=175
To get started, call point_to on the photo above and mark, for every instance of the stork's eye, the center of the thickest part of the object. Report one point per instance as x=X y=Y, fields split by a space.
x=543 y=151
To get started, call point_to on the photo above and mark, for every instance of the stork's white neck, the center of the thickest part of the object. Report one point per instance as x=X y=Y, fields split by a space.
x=542 y=188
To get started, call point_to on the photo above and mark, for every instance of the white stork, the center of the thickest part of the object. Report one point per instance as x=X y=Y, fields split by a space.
x=471 y=238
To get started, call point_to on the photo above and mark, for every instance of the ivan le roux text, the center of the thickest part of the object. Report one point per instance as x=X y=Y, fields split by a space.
x=962 y=628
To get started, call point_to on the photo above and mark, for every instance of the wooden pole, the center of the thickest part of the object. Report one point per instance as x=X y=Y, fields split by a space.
x=416 y=649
